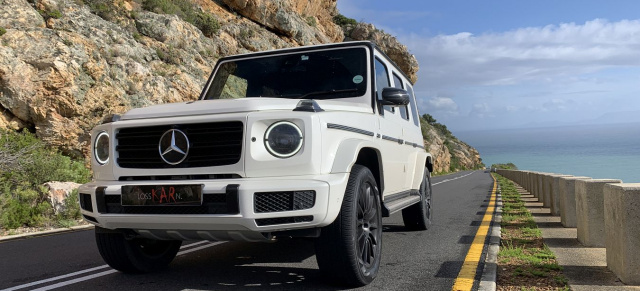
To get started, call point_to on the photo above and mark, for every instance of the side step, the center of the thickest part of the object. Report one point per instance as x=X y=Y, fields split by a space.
x=396 y=203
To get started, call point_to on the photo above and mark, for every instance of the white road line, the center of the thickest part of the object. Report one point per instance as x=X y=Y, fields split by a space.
x=76 y=280
x=199 y=248
x=111 y=271
x=55 y=278
x=449 y=180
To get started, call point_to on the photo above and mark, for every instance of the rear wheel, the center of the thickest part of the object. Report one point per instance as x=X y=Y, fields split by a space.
x=349 y=249
x=418 y=216
x=137 y=255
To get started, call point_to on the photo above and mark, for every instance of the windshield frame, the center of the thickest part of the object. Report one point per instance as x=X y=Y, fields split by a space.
x=368 y=49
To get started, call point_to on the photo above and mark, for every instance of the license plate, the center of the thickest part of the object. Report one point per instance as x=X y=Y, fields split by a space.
x=152 y=195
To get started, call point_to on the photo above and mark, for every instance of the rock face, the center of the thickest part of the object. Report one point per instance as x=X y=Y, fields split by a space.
x=69 y=65
x=449 y=153
x=396 y=51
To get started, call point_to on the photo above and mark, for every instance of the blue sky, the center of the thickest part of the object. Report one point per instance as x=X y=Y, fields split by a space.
x=516 y=64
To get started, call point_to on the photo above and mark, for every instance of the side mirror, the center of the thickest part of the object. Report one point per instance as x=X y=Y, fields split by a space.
x=394 y=97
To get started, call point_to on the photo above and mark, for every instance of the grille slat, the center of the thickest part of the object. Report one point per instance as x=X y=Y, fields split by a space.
x=211 y=144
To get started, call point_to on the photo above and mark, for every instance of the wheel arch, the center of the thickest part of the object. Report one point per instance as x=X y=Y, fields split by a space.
x=361 y=152
x=429 y=163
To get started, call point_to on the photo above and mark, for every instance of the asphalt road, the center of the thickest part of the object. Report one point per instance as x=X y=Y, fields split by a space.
x=411 y=260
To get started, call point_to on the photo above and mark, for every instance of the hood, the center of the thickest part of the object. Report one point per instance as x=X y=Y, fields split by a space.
x=220 y=106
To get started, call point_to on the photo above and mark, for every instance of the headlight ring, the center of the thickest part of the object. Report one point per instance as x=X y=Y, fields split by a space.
x=283 y=139
x=101 y=148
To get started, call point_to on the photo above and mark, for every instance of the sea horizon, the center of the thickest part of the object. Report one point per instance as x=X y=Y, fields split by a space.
x=596 y=151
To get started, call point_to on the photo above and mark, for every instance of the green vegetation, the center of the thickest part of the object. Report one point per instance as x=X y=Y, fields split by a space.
x=342 y=20
x=524 y=261
x=507 y=166
x=439 y=126
x=2 y=31
x=311 y=21
x=25 y=165
x=103 y=8
x=46 y=14
x=206 y=22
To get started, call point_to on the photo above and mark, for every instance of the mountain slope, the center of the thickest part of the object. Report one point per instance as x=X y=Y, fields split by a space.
x=68 y=65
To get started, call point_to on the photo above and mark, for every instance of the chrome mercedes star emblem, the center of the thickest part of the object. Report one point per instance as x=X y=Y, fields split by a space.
x=173 y=146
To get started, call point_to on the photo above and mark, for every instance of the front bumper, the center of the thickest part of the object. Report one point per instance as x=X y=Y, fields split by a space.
x=247 y=224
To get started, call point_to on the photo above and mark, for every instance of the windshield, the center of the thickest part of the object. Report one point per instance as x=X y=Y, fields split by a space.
x=326 y=74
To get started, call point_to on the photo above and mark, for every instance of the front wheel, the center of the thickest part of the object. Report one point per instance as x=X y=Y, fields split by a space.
x=418 y=216
x=349 y=249
x=138 y=255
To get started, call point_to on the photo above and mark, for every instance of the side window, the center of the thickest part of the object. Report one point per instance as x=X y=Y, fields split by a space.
x=414 y=107
x=382 y=80
x=397 y=82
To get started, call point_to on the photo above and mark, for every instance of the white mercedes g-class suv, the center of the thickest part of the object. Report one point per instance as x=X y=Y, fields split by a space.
x=320 y=141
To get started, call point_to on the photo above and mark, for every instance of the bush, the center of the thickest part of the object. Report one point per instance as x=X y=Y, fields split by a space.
x=342 y=20
x=46 y=14
x=25 y=164
x=507 y=166
x=2 y=31
x=206 y=22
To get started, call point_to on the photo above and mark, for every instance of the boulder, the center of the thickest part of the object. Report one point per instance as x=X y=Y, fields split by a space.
x=58 y=192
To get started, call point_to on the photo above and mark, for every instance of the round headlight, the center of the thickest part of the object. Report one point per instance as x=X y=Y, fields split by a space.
x=101 y=148
x=283 y=139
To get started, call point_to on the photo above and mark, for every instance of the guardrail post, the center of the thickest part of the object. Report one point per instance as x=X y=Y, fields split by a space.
x=539 y=187
x=590 y=211
x=567 y=200
x=548 y=189
x=554 y=202
x=622 y=226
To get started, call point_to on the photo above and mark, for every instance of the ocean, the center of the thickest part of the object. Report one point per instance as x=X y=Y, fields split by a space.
x=597 y=151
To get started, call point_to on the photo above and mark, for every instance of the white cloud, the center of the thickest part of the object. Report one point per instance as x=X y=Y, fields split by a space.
x=511 y=108
x=481 y=110
x=534 y=53
x=443 y=105
x=558 y=104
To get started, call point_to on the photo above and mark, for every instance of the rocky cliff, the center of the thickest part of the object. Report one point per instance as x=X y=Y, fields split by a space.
x=450 y=154
x=68 y=65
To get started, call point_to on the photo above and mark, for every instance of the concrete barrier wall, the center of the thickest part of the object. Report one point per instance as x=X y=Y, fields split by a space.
x=606 y=213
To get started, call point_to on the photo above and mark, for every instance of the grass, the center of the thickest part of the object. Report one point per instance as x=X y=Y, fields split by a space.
x=524 y=261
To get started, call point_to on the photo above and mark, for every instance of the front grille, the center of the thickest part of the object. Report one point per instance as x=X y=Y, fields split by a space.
x=283 y=201
x=85 y=202
x=211 y=204
x=283 y=220
x=211 y=144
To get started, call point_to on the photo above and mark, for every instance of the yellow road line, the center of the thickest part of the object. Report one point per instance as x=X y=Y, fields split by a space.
x=467 y=274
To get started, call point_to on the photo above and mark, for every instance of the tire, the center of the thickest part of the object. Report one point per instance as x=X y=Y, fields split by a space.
x=137 y=255
x=418 y=216
x=348 y=250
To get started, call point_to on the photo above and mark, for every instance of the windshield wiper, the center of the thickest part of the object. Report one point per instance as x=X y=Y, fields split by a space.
x=328 y=92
